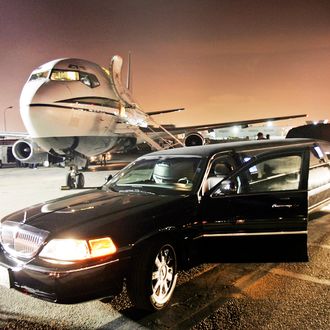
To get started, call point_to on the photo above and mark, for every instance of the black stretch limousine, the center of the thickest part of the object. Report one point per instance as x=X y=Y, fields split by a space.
x=141 y=225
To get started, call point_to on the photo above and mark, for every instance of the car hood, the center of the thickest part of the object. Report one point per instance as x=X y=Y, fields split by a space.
x=91 y=210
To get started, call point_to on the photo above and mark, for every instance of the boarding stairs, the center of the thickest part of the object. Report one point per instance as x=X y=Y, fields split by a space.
x=157 y=136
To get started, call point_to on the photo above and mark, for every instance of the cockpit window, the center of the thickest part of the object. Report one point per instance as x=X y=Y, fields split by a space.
x=88 y=79
x=39 y=75
x=64 y=75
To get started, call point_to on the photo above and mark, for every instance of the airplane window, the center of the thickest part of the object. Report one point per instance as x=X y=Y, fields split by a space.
x=94 y=80
x=64 y=75
x=39 y=75
x=88 y=79
x=85 y=80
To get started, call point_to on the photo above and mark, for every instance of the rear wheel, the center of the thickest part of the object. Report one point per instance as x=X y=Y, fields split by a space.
x=153 y=277
x=300 y=248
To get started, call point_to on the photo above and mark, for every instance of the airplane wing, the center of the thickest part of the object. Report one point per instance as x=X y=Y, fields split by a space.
x=160 y=112
x=210 y=127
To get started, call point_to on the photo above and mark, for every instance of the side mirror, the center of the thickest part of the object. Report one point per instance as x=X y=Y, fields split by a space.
x=108 y=178
x=227 y=187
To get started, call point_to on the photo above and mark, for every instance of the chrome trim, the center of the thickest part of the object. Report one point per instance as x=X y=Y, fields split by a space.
x=21 y=240
x=255 y=234
x=282 y=206
x=63 y=272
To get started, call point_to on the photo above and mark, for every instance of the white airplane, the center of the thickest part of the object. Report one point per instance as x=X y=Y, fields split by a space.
x=75 y=109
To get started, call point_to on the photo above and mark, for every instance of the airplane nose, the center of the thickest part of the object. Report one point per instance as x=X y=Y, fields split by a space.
x=30 y=89
x=44 y=91
x=37 y=98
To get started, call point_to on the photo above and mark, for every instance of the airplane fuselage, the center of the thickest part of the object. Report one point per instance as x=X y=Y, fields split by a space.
x=72 y=105
x=76 y=109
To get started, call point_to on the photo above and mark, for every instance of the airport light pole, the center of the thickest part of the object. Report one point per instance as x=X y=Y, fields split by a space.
x=4 y=117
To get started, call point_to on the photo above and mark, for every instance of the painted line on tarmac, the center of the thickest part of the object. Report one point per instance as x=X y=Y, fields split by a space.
x=298 y=276
x=206 y=294
x=251 y=278
x=122 y=322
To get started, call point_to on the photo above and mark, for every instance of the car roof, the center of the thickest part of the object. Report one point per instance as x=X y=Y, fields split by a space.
x=211 y=149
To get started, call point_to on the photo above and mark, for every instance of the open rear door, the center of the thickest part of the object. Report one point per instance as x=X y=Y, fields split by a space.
x=266 y=197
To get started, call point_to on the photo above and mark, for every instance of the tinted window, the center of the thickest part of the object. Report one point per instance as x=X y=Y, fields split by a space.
x=319 y=169
x=326 y=148
x=87 y=79
x=276 y=174
x=220 y=168
x=165 y=175
x=39 y=75
x=318 y=176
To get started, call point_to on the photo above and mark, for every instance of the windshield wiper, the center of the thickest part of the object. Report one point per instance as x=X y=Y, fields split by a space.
x=110 y=188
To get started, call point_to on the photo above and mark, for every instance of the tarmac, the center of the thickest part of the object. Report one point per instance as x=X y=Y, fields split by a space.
x=217 y=295
x=22 y=187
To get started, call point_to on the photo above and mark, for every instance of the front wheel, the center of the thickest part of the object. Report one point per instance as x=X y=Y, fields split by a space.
x=70 y=182
x=153 y=277
x=80 y=181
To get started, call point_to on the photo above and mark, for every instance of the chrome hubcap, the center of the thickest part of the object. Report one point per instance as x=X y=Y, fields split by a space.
x=163 y=277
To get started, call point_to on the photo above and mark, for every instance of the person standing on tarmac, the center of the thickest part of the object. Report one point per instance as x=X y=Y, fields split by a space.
x=260 y=136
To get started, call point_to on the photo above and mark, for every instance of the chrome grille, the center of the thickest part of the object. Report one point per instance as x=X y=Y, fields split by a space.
x=21 y=240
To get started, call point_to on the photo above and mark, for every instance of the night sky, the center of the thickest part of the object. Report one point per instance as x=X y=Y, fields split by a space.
x=221 y=60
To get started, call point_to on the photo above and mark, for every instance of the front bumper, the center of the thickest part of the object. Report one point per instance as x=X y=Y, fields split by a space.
x=64 y=286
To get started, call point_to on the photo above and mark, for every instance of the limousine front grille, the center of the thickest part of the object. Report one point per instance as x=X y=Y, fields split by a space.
x=21 y=240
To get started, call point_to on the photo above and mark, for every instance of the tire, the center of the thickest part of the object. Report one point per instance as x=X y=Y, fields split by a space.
x=300 y=248
x=80 y=181
x=69 y=181
x=152 y=281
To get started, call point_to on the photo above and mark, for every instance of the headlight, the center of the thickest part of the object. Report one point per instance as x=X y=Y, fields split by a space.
x=70 y=250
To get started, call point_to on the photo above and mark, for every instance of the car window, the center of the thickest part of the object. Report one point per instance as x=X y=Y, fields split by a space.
x=275 y=174
x=156 y=174
x=219 y=169
x=326 y=148
x=319 y=168
x=319 y=176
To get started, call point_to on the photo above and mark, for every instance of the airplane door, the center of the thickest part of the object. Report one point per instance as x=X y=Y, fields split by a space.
x=266 y=197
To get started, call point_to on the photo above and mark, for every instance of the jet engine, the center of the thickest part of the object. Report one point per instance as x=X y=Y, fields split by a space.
x=27 y=151
x=194 y=139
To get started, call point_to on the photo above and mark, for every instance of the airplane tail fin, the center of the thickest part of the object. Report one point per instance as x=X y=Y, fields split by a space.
x=115 y=78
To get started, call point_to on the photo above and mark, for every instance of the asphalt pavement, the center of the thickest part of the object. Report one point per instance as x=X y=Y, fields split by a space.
x=217 y=295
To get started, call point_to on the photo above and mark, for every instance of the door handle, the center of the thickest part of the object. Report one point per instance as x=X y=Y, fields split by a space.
x=288 y=206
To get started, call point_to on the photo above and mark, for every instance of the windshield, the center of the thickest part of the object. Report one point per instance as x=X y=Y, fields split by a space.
x=159 y=175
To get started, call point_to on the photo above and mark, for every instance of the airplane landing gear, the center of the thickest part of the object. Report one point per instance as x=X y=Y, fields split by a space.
x=75 y=179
